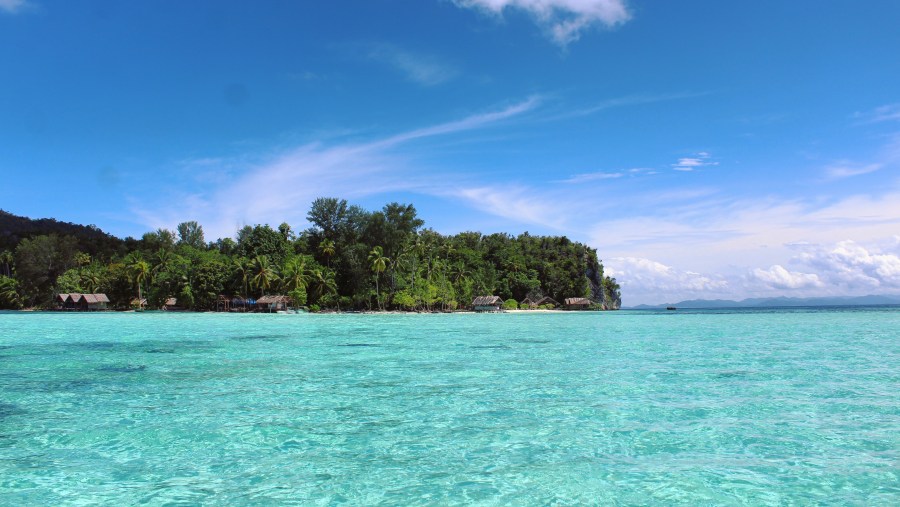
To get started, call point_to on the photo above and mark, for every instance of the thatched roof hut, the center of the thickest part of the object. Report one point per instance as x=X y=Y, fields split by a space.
x=273 y=303
x=578 y=303
x=82 y=302
x=487 y=304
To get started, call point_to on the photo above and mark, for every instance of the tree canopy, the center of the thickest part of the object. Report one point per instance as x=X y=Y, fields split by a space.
x=347 y=258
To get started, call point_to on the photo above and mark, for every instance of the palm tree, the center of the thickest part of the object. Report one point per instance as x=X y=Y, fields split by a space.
x=242 y=265
x=295 y=275
x=138 y=269
x=328 y=249
x=90 y=280
x=379 y=263
x=263 y=273
x=322 y=283
x=164 y=259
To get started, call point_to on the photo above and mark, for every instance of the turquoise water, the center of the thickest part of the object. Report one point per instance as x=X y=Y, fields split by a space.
x=620 y=408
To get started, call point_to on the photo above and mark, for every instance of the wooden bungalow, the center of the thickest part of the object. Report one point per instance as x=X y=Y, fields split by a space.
x=528 y=303
x=138 y=304
x=82 y=302
x=223 y=303
x=487 y=304
x=273 y=303
x=578 y=303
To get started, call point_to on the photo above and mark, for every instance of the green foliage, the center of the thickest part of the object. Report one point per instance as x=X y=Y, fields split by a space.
x=405 y=300
x=348 y=258
x=9 y=294
x=262 y=240
x=191 y=234
x=510 y=304
x=39 y=261
x=298 y=297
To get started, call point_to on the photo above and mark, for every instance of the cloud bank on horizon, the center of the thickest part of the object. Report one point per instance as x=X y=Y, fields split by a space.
x=747 y=167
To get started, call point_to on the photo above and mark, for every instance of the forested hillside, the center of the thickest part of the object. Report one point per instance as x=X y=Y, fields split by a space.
x=349 y=258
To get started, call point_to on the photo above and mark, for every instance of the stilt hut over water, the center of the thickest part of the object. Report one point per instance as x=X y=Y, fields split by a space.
x=578 y=303
x=487 y=304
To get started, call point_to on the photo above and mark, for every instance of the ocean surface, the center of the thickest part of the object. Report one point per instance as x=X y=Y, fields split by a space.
x=724 y=407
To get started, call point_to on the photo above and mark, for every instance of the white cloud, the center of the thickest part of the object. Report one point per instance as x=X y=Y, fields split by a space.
x=280 y=187
x=854 y=267
x=12 y=6
x=584 y=178
x=779 y=278
x=646 y=280
x=423 y=69
x=687 y=164
x=515 y=204
x=887 y=112
x=846 y=169
x=564 y=20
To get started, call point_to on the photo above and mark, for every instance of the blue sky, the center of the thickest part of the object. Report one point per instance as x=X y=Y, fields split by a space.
x=707 y=149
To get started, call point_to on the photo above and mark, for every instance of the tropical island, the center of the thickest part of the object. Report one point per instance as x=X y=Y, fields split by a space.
x=348 y=259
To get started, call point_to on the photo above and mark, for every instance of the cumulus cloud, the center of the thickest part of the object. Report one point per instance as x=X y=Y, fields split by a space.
x=648 y=280
x=564 y=20
x=780 y=278
x=852 y=266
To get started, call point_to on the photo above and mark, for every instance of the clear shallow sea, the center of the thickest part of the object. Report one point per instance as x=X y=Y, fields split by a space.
x=781 y=407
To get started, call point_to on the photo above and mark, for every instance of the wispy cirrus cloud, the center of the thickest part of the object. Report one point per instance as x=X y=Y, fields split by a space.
x=424 y=69
x=277 y=187
x=626 y=101
x=563 y=20
x=687 y=164
x=887 y=112
x=13 y=6
x=848 y=169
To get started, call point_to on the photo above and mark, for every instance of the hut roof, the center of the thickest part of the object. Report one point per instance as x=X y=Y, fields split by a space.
x=265 y=300
x=486 y=301
x=578 y=301
x=547 y=300
x=88 y=298
x=171 y=302
x=95 y=298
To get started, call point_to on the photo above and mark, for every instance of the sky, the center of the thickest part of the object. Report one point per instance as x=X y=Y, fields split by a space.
x=707 y=149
